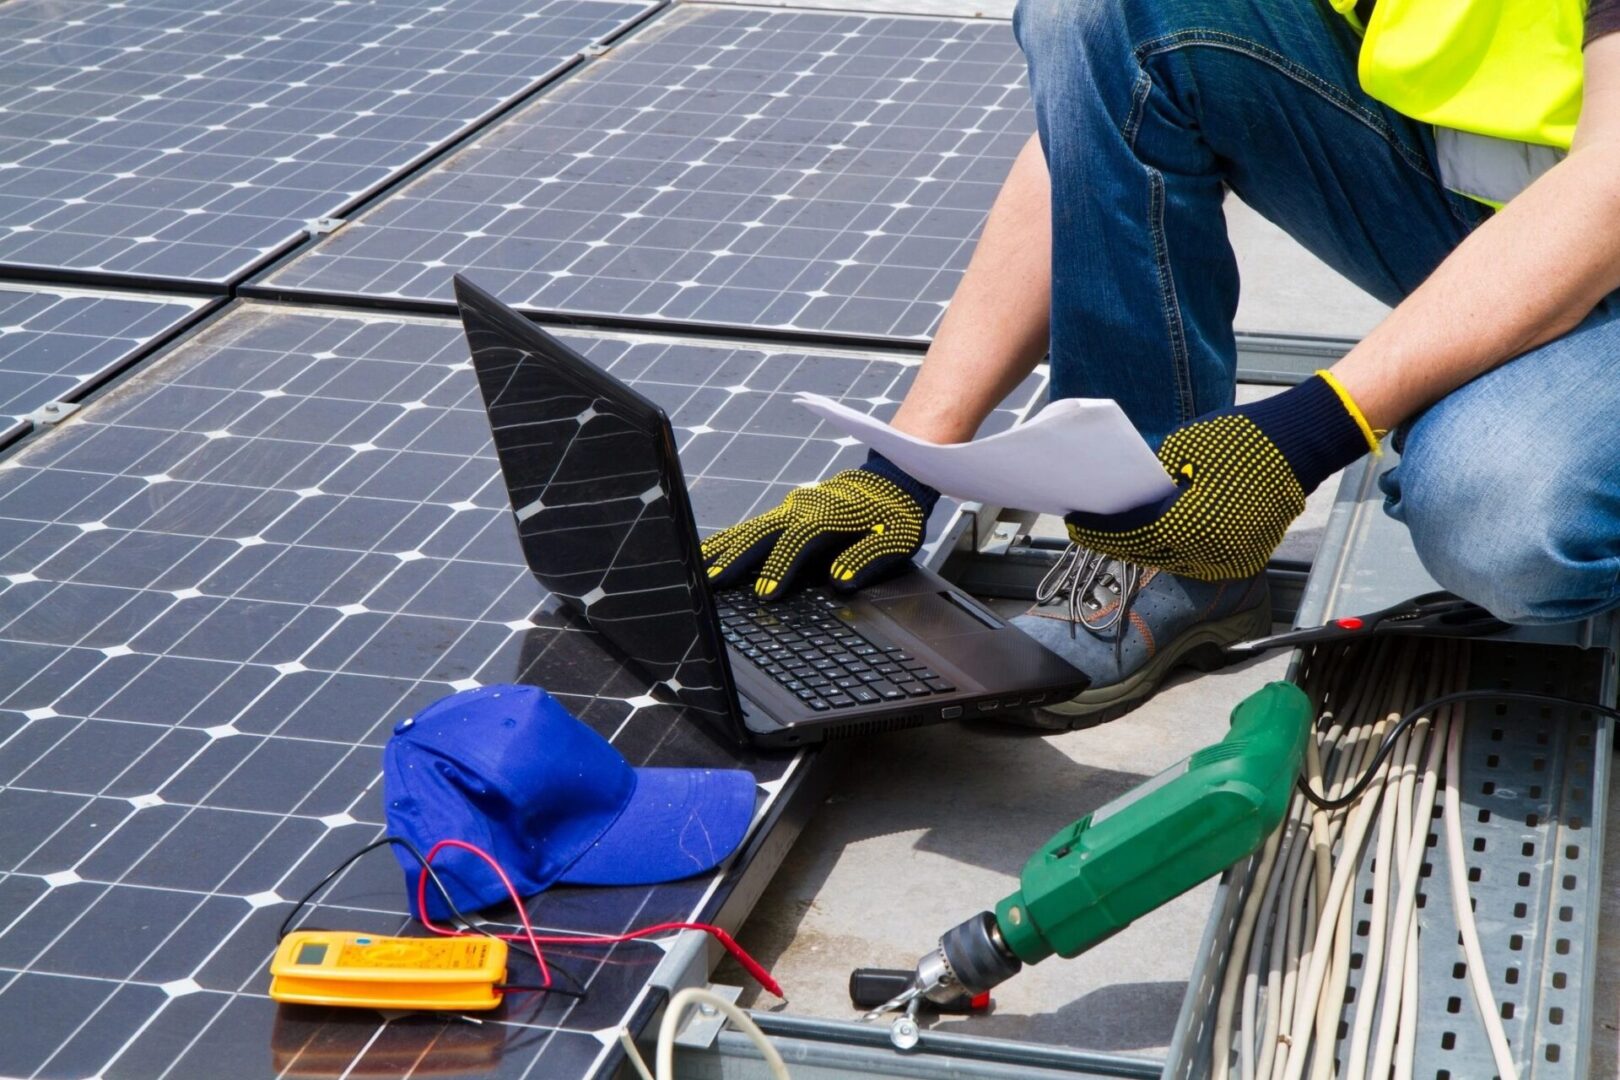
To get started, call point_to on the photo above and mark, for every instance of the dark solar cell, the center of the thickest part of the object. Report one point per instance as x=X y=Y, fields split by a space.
x=218 y=591
x=796 y=170
x=55 y=343
x=187 y=141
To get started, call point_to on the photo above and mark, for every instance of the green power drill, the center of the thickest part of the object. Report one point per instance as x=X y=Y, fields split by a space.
x=1097 y=875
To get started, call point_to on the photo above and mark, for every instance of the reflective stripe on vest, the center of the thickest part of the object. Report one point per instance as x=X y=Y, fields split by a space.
x=1500 y=80
x=1490 y=170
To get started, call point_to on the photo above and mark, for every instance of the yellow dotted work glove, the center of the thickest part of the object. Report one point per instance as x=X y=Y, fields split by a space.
x=1241 y=476
x=868 y=521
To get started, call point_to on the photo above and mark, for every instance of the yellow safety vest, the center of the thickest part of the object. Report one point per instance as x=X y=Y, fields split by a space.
x=1500 y=80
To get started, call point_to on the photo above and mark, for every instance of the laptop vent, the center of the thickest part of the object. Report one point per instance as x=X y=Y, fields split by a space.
x=873 y=727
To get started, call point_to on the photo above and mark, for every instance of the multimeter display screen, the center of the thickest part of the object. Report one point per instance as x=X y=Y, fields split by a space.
x=311 y=954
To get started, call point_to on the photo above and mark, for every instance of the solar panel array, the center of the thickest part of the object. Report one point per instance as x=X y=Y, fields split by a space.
x=219 y=588
x=223 y=581
x=187 y=140
x=57 y=343
x=791 y=170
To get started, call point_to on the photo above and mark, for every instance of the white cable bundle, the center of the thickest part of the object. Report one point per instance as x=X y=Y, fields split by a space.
x=675 y=1011
x=1282 y=1001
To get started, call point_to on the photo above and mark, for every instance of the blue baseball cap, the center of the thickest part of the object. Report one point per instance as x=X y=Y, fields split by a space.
x=506 y=768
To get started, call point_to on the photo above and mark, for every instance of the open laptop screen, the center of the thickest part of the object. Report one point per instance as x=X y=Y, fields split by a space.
x=601 y=509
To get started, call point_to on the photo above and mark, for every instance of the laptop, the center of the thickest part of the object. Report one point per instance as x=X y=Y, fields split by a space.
x=606 y=526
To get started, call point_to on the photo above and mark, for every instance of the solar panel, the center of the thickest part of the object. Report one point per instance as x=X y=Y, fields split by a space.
x=219 y=588
x=978 y=9
x=187 y=141
x=791 y=170
x=55 y=344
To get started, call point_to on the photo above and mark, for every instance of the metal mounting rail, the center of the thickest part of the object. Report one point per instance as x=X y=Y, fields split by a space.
x=817 y=1049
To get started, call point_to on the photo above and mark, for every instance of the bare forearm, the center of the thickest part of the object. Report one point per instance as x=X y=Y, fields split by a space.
x=995 y=331
x=1525 y=277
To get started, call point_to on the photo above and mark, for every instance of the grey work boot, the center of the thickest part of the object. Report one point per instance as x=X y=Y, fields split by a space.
x=1129 y=627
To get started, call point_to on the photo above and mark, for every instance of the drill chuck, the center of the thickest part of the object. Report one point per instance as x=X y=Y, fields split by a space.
x=976 y=956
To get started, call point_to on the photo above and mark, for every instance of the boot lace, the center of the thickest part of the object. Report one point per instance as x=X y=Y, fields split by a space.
x=1099 y=591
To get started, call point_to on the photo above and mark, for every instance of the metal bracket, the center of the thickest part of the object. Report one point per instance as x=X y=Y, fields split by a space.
x=983 y=521
x=1009 y=528
x=325 y=226
x=1285 y=359
x=704 y=1023
x=1001 y=538
x=685 y=963
x=52 y=412
x=594 y=50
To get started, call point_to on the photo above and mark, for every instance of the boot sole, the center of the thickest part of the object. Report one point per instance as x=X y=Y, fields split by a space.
x=1202 y=648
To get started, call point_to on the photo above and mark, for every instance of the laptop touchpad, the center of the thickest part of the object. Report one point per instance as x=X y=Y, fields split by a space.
x=932 y=615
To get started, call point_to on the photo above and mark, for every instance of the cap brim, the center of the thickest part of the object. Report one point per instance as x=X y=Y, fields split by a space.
x=678 y=823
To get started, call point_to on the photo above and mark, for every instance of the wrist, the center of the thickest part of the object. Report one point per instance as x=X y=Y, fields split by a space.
x=924 y=495
x=1316 y=426
x=1381 y=382
x=944 y=425
x=1370 y=432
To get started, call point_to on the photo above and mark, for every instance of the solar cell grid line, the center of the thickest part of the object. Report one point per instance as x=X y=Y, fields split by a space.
x=58 y=343
x=980 y=9
x=810 y=173
x=179 y=141
x=220 y=585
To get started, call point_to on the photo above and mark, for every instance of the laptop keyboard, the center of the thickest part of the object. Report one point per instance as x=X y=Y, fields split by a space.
x=803 y=644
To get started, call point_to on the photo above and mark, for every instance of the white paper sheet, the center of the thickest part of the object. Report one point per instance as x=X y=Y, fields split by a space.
x=1076 y=454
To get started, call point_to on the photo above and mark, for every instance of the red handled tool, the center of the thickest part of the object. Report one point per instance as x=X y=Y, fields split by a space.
x=869 y=988
x=1440 y=613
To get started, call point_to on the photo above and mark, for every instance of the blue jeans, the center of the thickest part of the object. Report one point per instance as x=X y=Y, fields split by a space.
x=1148 y=111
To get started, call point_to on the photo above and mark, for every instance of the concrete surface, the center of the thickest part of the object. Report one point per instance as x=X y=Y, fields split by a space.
x=1287 y=290
x=926 y=827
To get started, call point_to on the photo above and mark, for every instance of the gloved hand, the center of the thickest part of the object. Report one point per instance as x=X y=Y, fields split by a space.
x=1241 y=475
x=870 y=520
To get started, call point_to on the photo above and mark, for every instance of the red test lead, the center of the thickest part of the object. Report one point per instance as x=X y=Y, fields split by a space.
x=749 y=964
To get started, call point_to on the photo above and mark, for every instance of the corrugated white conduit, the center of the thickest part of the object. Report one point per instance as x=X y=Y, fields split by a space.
x=1282 y=1000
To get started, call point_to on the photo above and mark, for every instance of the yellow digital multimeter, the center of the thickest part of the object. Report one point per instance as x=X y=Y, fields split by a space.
x=330 y=967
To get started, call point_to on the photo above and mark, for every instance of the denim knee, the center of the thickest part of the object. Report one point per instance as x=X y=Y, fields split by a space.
x=1506 y=526
x=1058 y=34
x=1040 y=24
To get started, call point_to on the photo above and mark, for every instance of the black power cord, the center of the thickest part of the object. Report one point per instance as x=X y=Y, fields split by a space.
x=386 y=841
x=455 y=913
x=1388 y=745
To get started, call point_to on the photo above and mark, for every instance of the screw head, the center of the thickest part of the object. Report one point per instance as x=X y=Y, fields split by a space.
x=903 y=1033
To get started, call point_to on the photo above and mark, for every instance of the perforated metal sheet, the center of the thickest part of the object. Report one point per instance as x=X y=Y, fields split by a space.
x=1532 y=780
x=788 y=170
x=1528 y=776
x=186 y=140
